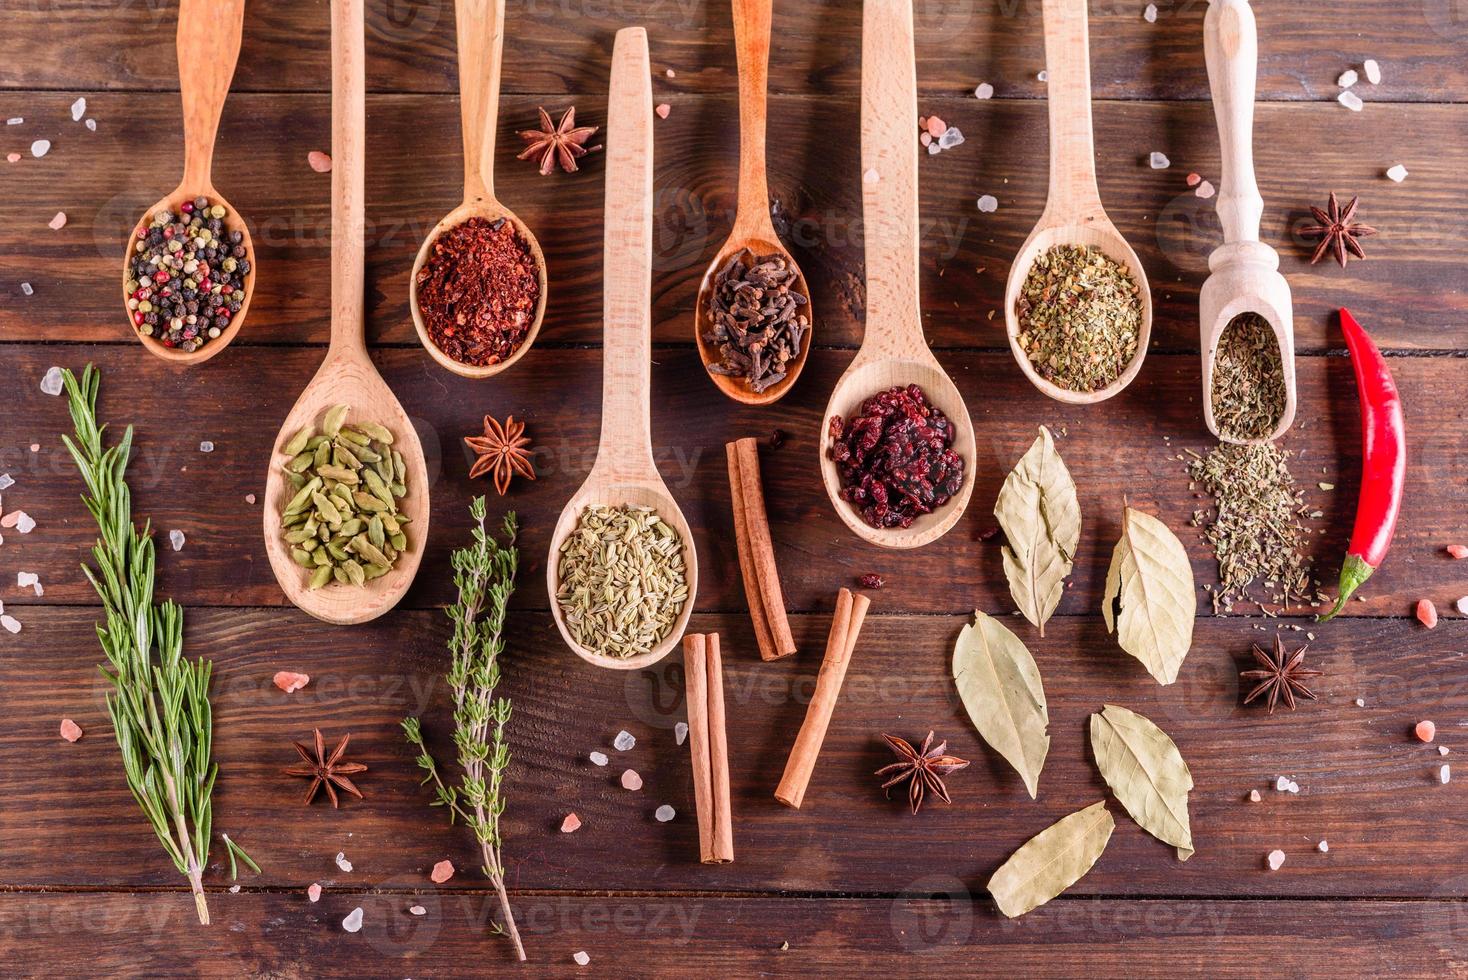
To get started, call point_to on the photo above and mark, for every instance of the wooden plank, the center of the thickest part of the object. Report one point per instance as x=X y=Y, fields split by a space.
x=555 y=46
x=1119 y=450
x=1410 y=293
x=1366 y=785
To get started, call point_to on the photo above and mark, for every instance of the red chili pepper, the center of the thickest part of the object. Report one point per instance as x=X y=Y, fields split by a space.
x=1383 y=461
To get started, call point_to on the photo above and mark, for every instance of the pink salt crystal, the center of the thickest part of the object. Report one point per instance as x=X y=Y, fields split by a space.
x=1254 y=796
x=1426 y=731
x=1458 y=551
x=662 y=109
x=1205 y=190
x=290 y=682
x=1194 y=180
x=1427 y=613
x=70 y=730
x=571 y=824
x=925 y=138
x=313 y=892
x=59 y=222
x=10 y=519
x=936 y=127
x=12 y=157
x=442 y=872
x=320 y=162
x=1276 y=859
x=249 y=498
x=630 y=780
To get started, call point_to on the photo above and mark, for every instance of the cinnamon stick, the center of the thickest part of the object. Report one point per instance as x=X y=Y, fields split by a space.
x=709 y=747
x=757 y=552
x=723 y=835
x=846 y=626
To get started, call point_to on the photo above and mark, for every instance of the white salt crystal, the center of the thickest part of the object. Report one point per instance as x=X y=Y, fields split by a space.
x=15 y=120
x=11 y=624
x=1351 y=101
x=624 y=741
x=24 y=580
x=1373 y=71
x=1348 y=78
x=24 y=523
x=1323 y=847
x=313 y=892
x=58 y=222
x=582 y=958
x=1254 y=796
x=51 y=381
x=952 y=136
x=1043 y=75
x=1397 y=173
x=680 y=732
x=988 y=204
x=598 y=758
x=176 y=538
x=1159 y=161
x=1360 y=702
x=1276 y=859
x=206 y=446
x=26 y=288
x=1463 y=605
x=1444 y=774
x=1443 y=750
x=40 y=148
x=6 y=481
x=1281 y=784
x=249 y=498
x=665 y=813
x=1150 y=14
x=984 y=91
x=79 y=109
x=871 y=176
x=417 y=910
x=1205 y=190
x=934 y=149
x=342 y=862
x=353 y=921
x=1294 y=787
x=234 y=889
x=91 y=124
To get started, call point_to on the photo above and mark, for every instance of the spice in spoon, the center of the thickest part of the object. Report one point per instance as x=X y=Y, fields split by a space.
x=1080 y=317
x=758 y=327
x=479 y=291
x=1248 y=379
x=186 y=275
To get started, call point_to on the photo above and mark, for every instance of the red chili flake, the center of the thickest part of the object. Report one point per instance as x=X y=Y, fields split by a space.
x=872 y=581
x=986 y=533
x=1427 y=613
x=479 y=291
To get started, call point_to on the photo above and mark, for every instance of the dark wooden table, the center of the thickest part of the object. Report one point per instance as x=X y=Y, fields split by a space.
x=852 y=883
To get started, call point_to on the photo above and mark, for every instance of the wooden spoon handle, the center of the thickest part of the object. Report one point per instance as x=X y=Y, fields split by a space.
x=1231 y=47
x=348 y=193
x=1073 y=191
x=626 y=434
x=752 y=20
x=209 y=33
x=889 y=178
x=481 y=28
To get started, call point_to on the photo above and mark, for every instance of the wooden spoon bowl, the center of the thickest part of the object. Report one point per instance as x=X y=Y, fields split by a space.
x=624 y=473
x=209 y=35
x=481 y=35
x=347 y=376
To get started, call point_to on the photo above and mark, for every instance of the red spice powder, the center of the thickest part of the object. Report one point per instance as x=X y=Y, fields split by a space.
x=479 y=291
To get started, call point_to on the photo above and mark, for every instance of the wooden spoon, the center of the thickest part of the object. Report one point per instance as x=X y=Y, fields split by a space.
x=624 y=472
x=481 y=30
x=753 y=229
x=1244 y=276
x=347 y=375
x=209 y=33
x=894 y=351
x=1073 y=214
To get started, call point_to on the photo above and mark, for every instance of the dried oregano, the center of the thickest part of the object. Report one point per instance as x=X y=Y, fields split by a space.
x=1248 y=379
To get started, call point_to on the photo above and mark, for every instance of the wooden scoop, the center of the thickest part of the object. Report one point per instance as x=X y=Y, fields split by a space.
x=624 y=472
x=347 y=375
x=209 y=34
x=481 y=29
x=753 y=229
x=1073 y=213
x=1244 y=272
x=893 y=351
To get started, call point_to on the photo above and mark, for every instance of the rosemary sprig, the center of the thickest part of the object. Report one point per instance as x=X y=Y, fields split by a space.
x=484 y=574
x=159 y=701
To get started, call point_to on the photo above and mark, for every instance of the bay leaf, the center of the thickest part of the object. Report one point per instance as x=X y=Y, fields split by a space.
x=1041 y=519
x=1147 y=774
x=1151 y=576
x=1051 y=861
x=1000 y=686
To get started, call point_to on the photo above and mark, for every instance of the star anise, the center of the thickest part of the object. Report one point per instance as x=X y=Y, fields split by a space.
x=1281 y=676
x=1338 y=231
x=327 y=771
x=924 y=768
x=503 y=449
x=561 y=143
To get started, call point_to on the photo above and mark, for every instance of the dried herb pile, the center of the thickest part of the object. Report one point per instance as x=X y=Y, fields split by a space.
x=1080 y=317
x=758 y=326
x=1248 y=379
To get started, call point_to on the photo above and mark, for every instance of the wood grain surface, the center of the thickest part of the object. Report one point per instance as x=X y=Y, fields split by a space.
x=852 y=882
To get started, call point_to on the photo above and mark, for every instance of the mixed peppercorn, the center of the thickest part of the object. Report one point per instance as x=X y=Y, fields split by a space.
x=186 y=276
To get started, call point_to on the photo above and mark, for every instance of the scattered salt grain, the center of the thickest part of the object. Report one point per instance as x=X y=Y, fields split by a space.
x=1458 y=551
x=925 y=138
x=984 y=91
x=24 y=523
x=1397 y=174
x=27 y=289
x=1444 y=774
x=582 y=958
x=15 y=120
x=320 y=162
x=79 y=109
x=40 y=148
x=206 y=446
x=1254 y=796
x=1351 y=101
x=1323 y=847
x=12 y=157
x=1194 y=180
x=57 y=223
x=1373 y=71
x=952 y=136
x=1427 y=613
x=6 y=481
x=662 y=109
x=417 y=910
x=1204 y=190
x=91 y=125
x=1281 y=783
x=632 y=781
x=313 y=892
x=249 y=498
x=70 y=730
x=680 y=732
x=1276 y=859
x=1463 y=605
x=571 y=824
x=624 y=741
x=988 y=204
x=442 y=871
x=598 y=758
x=672 y=74
x=289 y=681
x=353 y=921
x=342 y=862
x=871 y=176
x=176 y=538
x=1360 y=702
x=1443 y=750
x=1150 y=13
x=36 y=447
x=934 y=149
x=1159 y=161
x=665 y=813
x=10 y=623
x=1425 y=731
x=51 y=381
x=1042 y=75
x=1348 y=78
x=26 y=580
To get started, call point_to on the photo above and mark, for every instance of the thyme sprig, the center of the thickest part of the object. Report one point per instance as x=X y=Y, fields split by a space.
x=159 y=701
x=484 y=574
